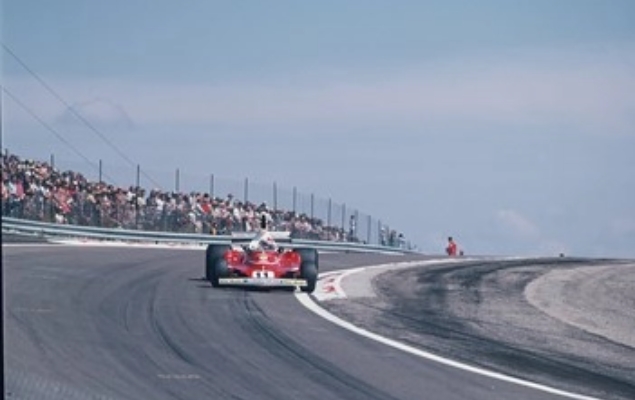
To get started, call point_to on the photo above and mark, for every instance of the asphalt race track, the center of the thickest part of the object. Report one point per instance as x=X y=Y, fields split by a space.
x=124 y=323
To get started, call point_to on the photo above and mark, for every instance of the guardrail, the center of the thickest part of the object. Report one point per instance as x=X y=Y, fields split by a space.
x=49 y=230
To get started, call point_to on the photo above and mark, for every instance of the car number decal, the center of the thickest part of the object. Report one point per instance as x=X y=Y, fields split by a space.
x=263 y=274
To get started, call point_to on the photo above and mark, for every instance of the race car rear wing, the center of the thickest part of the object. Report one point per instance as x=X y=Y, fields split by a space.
x=246 y=237
x=241 y=238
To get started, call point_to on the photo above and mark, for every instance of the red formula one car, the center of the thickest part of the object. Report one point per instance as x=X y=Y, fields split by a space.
x=264 y=266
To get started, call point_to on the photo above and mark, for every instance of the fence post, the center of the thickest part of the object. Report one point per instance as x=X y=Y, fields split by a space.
x=177 y=181
x=101 y=167
x=295 y=198
x=51 y=201
x=379 y=242
x=246 y=198
x=275 y=196
x=211 y=186
x=356 y=226
x=344 y=217
x=328 y=214
x=136 y=205
x=369 y=227
x=312 y=204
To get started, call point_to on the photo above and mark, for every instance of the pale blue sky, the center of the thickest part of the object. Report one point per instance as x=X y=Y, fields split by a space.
x=508 y=124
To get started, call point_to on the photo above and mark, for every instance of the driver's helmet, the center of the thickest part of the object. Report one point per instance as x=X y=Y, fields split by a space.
x=253 y=246
x=268 y=243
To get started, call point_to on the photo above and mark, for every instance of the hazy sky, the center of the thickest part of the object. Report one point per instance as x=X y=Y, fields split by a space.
x=507 y=124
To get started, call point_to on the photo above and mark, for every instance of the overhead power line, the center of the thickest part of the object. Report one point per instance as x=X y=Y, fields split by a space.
x=72 y=110
x=53 y=131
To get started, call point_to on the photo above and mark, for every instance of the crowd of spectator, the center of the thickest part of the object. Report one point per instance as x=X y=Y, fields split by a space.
x=36 y=190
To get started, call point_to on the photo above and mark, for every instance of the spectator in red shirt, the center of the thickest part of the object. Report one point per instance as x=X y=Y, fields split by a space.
x=452 y=247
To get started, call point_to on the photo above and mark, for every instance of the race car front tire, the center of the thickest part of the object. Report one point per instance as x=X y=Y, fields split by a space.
x=308 y=255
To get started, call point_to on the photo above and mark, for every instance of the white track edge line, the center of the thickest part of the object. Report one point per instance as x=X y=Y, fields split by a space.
x=306 y=301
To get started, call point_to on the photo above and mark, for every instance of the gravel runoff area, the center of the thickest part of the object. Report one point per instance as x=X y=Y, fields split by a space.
x=599 y=300
x=564 y=322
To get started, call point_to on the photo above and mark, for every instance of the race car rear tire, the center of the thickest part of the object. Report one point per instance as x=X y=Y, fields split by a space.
x=214 y=257
x=309 y=264
x=309 y=272
x=308 y=255
x=220 y=271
